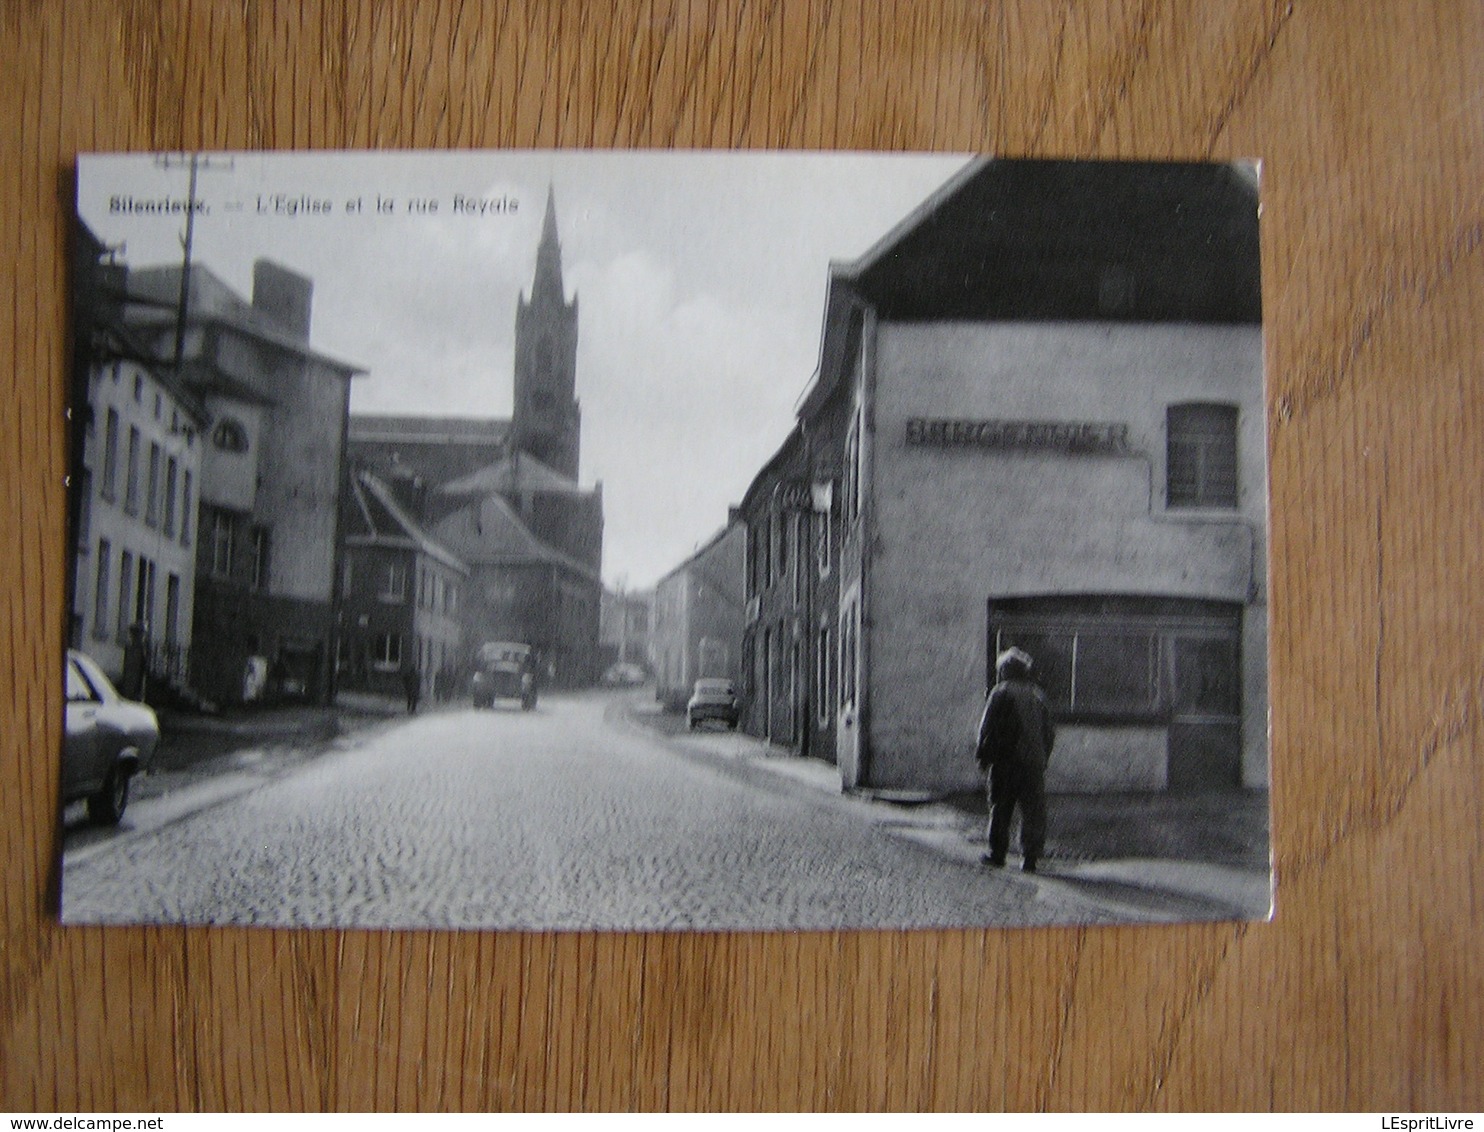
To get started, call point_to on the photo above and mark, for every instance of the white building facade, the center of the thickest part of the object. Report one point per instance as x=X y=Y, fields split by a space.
x=1057 y=441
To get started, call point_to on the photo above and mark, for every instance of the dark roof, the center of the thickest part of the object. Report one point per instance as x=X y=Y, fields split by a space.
x=378 y=519
x=501 y=538
x=771 y=472
x=211 y=302
x=1075 y=240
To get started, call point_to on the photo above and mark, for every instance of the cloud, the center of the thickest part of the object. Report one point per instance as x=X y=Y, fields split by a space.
x=684 y=397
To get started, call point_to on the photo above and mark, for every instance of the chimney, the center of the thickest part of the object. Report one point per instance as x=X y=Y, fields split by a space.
x=283 y=297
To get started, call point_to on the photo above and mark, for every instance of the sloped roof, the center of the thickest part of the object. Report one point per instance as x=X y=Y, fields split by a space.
x=1038 y=239
x=155 y=291
x=520 y=473
x=378 y=519
x=488 y=532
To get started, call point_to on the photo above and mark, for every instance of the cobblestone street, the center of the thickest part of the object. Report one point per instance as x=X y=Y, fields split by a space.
x=571 y=817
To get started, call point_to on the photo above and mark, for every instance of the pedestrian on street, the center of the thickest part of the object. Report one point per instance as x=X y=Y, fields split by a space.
x=136 y=653
x=412 y=684
x=1015 y=739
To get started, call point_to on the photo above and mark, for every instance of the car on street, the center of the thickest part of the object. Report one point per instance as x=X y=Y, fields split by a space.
x=108 y=740
x=713 y=699
x=504 y=670
x=624 y=674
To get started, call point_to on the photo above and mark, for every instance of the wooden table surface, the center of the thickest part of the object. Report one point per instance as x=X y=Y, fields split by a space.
x=1366 y=990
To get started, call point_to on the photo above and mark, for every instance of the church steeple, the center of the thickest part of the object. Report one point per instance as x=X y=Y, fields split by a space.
x=548 y=279
x=545 y=421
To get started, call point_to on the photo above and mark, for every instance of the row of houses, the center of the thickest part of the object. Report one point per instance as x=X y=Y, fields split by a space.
x=1037 y=419
x=239 y=536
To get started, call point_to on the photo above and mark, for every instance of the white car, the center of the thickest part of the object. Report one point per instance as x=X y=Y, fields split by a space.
x=108 y=740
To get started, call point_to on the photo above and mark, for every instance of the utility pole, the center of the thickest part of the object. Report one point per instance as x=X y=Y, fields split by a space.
x=194 y=162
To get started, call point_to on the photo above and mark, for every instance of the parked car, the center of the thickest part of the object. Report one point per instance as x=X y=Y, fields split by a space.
x=713 y=699
x=503 y=670
x=624 y=674
x=108 y=740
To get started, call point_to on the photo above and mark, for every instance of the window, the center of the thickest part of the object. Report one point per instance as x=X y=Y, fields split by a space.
x=84 y=510
x=152 y=496
x=259 y=558
x=144 y=595
x=230 y=435
x=78 y=688
x=126 y=590
x=780 y=531
x=172 y=473
x=800 y=526
x=386 y=652
x=100 y=588
x=1201 y=465
x=187 y=504
x=111 y=455
x=394 y=583
x=850 y=487
x=824 y=539
x=1126 y=659
x=847 y=657
x=172 y=609
x=131 y=483
x=222 y=540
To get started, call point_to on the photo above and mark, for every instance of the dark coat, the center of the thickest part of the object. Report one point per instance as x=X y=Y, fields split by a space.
x=1015 y=736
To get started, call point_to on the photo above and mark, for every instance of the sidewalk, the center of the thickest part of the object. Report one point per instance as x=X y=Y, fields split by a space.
x=196 y=746
x=1163 y=857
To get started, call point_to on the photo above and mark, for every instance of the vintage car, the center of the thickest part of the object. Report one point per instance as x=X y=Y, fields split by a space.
x=108 y=740
x=713 y=699
x=504 y=670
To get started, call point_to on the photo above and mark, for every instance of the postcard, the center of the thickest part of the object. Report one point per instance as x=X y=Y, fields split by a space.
x=665 y=541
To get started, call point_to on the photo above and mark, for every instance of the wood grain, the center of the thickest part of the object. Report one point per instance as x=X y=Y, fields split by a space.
x=1365 y=992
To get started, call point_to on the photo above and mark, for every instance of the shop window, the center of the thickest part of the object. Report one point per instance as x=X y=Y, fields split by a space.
x=1201 y=465
x=1126 y=659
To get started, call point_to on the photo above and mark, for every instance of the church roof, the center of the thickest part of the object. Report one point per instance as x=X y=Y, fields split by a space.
x=488 y=532
x=428 y=430
x=523 y=473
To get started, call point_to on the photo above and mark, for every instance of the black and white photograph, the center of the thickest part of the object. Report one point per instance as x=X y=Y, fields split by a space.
x=655 y=541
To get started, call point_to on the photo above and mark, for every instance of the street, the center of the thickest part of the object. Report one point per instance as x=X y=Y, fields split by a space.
x=569 y=817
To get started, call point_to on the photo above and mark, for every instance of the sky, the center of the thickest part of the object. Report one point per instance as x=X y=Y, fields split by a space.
x=700 y=278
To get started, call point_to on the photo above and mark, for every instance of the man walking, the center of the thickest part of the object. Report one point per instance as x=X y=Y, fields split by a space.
x=1015 y=739
x=412 y=685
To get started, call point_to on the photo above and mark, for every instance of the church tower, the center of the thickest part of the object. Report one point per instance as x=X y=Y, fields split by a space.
x=545 y=422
